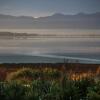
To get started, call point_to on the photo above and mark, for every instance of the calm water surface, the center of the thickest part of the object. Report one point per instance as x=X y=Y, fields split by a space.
x=51 y=49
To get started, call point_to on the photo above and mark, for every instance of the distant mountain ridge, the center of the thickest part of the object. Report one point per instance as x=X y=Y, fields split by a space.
x=57 y=20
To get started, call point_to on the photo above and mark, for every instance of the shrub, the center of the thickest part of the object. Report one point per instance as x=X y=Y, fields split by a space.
x=25 y=75
x=93 y=96
x=83 y=85
x=68 y=90
x=51 y=73
x=13 y=91
x=94 y=92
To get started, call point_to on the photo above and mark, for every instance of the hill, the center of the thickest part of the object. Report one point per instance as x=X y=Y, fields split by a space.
x=58 y=20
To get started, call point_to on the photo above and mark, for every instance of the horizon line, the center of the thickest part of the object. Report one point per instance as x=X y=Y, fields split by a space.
x=59 y=13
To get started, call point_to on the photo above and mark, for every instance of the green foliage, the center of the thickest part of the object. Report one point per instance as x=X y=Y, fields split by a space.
x=48 y=85
x=93 y=96
x=68 y=90
x=94 y=92
x=45 y=90
x=24 y=75
x=51 y=73
x=50 y=90
x=27 y=74
x=13 y=91
x=83 y=85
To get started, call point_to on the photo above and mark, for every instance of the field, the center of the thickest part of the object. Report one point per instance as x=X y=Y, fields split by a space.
x=61 y=81
x=74 y=69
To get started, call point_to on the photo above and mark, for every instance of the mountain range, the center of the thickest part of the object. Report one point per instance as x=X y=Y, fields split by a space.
x=57 y=20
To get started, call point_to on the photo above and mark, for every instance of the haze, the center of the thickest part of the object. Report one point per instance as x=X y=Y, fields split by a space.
x=39 y=8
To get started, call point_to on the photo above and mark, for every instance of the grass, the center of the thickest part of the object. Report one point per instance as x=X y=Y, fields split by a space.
x=48 y=84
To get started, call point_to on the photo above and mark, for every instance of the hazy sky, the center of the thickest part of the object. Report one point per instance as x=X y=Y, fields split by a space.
x=38 y=8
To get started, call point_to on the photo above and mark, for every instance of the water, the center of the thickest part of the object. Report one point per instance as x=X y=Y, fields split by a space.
x=53 y=50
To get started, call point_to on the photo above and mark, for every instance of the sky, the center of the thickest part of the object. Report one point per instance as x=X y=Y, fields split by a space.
x=39 y=8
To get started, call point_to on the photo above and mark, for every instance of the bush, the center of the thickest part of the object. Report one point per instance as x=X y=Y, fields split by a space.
x=68 y=90
x=50 y=73
x=83 y=85
x=25 y=75
x=93 y=96
x=13 y=91
x=94 y=92
x=45 y=90
x=46 y=86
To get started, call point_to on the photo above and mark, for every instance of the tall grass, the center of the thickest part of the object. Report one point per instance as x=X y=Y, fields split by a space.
x=48 y=84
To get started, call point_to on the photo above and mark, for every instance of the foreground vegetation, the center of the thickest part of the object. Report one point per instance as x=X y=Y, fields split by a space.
x=48 y=84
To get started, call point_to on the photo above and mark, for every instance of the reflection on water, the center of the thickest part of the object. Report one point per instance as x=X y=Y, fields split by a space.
x=77 y=47
x=51 y=45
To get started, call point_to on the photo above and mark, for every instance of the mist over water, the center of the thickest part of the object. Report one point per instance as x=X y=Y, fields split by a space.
x=56 y=31
x=44 y=47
